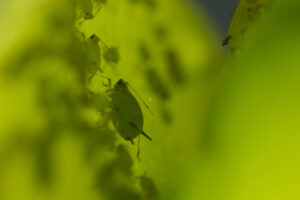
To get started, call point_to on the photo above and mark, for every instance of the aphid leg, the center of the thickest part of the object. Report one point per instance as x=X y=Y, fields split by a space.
x=108 y=79
x=81 y=34
x=140 y=98
x=142 y=132
x=107 y=48
x=79 y=19
x=147 y=136
x=91 y=77
x=139 y=148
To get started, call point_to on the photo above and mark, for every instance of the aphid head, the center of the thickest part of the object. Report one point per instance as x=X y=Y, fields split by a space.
x=94 y=38
x=121 y=83
x=88 y=15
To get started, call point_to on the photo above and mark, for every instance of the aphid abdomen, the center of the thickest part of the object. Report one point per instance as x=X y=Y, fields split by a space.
x=127 y=118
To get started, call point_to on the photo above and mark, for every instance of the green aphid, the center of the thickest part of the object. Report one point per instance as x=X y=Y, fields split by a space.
x=127 y=116
x=247 y=12
x=111 y=55
x=93 y=49
x=148 y=187
x=86 y=9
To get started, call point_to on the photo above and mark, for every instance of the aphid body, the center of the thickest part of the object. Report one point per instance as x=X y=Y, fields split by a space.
x=86 y=8
x=127 y=116
x=93 y=50
x=246 y=14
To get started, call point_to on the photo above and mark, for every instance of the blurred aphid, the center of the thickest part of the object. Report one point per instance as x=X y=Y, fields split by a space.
x=123 y=161
x=120 y=165
x=100 y=1
x=93 y=49
x=150 y=3
x=148 y=187
x=226 y=40
x=125 y=192
x=102 y=138
x=247 y=12
x=156 y=84
x=44 y=161
x=127 y=116
x=99 y=101
x=111 y=55
x=86 y=9
x=174 y=67
x=114 y=178
x=144 y=52
x=166 y=115
x=160 y=32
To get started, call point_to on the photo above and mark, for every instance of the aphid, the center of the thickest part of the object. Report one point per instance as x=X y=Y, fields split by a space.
x=160 y=32
x=150 y=3
x=148 y=187
x=126 y=113
x=111 y=54
x=144 y=52
x=247 y=12
x=93 y=49
x=166 y=115
x=127 y=116
x=175 y=67
x=86 y=9
x=157 y=85
x=226 y=41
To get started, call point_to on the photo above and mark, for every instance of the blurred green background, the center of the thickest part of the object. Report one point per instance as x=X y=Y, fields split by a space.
x=225 y=122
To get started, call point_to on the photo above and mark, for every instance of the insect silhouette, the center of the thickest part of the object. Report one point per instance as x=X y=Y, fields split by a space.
x=127 y=116
x=86 y=8
x=246 y=14
x=94 y=57
x=126 y=113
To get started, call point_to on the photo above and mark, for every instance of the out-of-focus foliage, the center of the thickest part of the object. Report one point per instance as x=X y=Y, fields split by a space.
x=252 y=147
x=218 y=132
x=56 y=136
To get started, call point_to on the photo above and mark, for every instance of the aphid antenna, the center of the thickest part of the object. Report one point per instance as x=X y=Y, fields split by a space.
x=98 y=10
x=81 y=20
x=81 y=34
x=140 y=98
x=104 y=43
